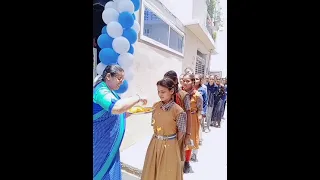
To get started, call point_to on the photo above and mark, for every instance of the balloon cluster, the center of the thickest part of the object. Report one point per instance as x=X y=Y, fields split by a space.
x=118 y=36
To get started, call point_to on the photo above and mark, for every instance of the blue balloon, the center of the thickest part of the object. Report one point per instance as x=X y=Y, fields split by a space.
x=104 y=30
x=126 y=20
x=134 y=16
x=131 y=35
x=105 y=41
x=136 y=4
x=123 y=88
x=131 y=50
x=108 y=56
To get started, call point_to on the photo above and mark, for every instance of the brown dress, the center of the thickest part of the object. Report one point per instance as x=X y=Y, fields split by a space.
x=163 y=158
x=196 y=108
x=185 y=105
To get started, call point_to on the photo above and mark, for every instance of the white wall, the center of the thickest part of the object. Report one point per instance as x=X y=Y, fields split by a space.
x=219 y=61
x=190 y=52
x=200 y=11
x=150 y=64
x=187 y=10
x=182 y=9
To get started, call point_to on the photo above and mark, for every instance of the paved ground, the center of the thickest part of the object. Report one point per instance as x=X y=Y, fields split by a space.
x=138 y=127
x=212 y=155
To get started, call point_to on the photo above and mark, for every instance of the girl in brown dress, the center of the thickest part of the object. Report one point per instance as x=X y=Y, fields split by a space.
x=163 y=158
x=182 y=98
x=196 y=104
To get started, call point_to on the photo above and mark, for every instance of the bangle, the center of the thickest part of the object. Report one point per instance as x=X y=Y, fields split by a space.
x=138 y=97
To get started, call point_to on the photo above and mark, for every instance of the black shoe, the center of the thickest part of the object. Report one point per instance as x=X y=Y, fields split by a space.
x=187 y=168
x=194 y=158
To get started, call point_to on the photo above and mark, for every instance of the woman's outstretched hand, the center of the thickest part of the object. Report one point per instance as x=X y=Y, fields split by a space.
x=144 y=101
x=128 y=114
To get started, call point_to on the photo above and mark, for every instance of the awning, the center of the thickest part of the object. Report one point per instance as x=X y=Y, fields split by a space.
x=202 y=33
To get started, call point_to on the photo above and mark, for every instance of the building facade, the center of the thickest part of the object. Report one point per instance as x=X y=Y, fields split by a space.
x=174 y=35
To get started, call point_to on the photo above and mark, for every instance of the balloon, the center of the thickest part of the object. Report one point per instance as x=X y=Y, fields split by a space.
x=136 y=4
x=108 y=56
x=136 y=26
x=134 y=16
x=114 y=29
x=126 y=68
x=100 y=68
x=109 y=15
x=121 y=45
x=104 y=30
x=131 y=35
x=123 y=88
x=105 y=41
x=95 y=80
x=125 y=6
x=126 y=19
x=110 y=4
x=128 y=75
x=131 y=50
x=125 y=60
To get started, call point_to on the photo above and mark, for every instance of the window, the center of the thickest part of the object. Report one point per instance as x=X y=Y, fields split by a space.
x=176 y=41
x=156 y=29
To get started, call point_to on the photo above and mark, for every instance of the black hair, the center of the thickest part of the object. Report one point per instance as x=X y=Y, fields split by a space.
x=191 y=76
x=174 y=77
x=167 y=83
x=201 y=76
x=113 y=69
x=212 y=75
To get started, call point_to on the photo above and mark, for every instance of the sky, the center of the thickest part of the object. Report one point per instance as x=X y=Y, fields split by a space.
x=219 y=61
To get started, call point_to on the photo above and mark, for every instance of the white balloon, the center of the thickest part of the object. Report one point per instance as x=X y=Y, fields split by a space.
x=109 y=15
x=110 y=4
x=121 y=45
x=125 y=60
x=125 y=5
x=128 y=75
x=114 y=29
x=136 y=27
x=126 y=69
x=96 y=80
x=100 y=68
